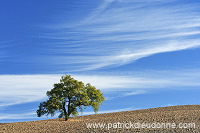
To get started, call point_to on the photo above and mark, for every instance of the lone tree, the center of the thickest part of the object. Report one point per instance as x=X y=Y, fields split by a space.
x=68 y=96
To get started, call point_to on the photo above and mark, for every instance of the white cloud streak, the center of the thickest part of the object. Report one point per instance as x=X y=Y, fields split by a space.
x=4 y=45
x=110 y=111
x=134 y=93
x=143 y=27
x=18 y=89
x=28 y=115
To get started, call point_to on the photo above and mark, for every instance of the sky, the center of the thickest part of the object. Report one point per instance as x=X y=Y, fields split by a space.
x=139 y=53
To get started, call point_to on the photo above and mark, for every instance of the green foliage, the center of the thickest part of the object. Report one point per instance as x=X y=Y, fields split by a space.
x=69 y=96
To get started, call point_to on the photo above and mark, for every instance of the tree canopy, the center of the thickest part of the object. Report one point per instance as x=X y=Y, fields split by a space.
x=70 y=96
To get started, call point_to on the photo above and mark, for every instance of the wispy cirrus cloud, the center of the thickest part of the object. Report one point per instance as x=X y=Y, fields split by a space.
x=120 y=32
x=134 y=93
x=18 y=89
x=4 y=45
x=110 y=111
x=28 y=115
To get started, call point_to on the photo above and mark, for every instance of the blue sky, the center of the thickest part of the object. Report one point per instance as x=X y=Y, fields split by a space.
x=140 y=53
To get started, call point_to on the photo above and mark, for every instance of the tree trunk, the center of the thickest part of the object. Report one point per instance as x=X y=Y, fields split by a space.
x=68 y=109
x=66 y=117
x=65 y=112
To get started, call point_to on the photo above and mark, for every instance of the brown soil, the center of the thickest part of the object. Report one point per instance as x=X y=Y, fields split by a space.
x=173 y=114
